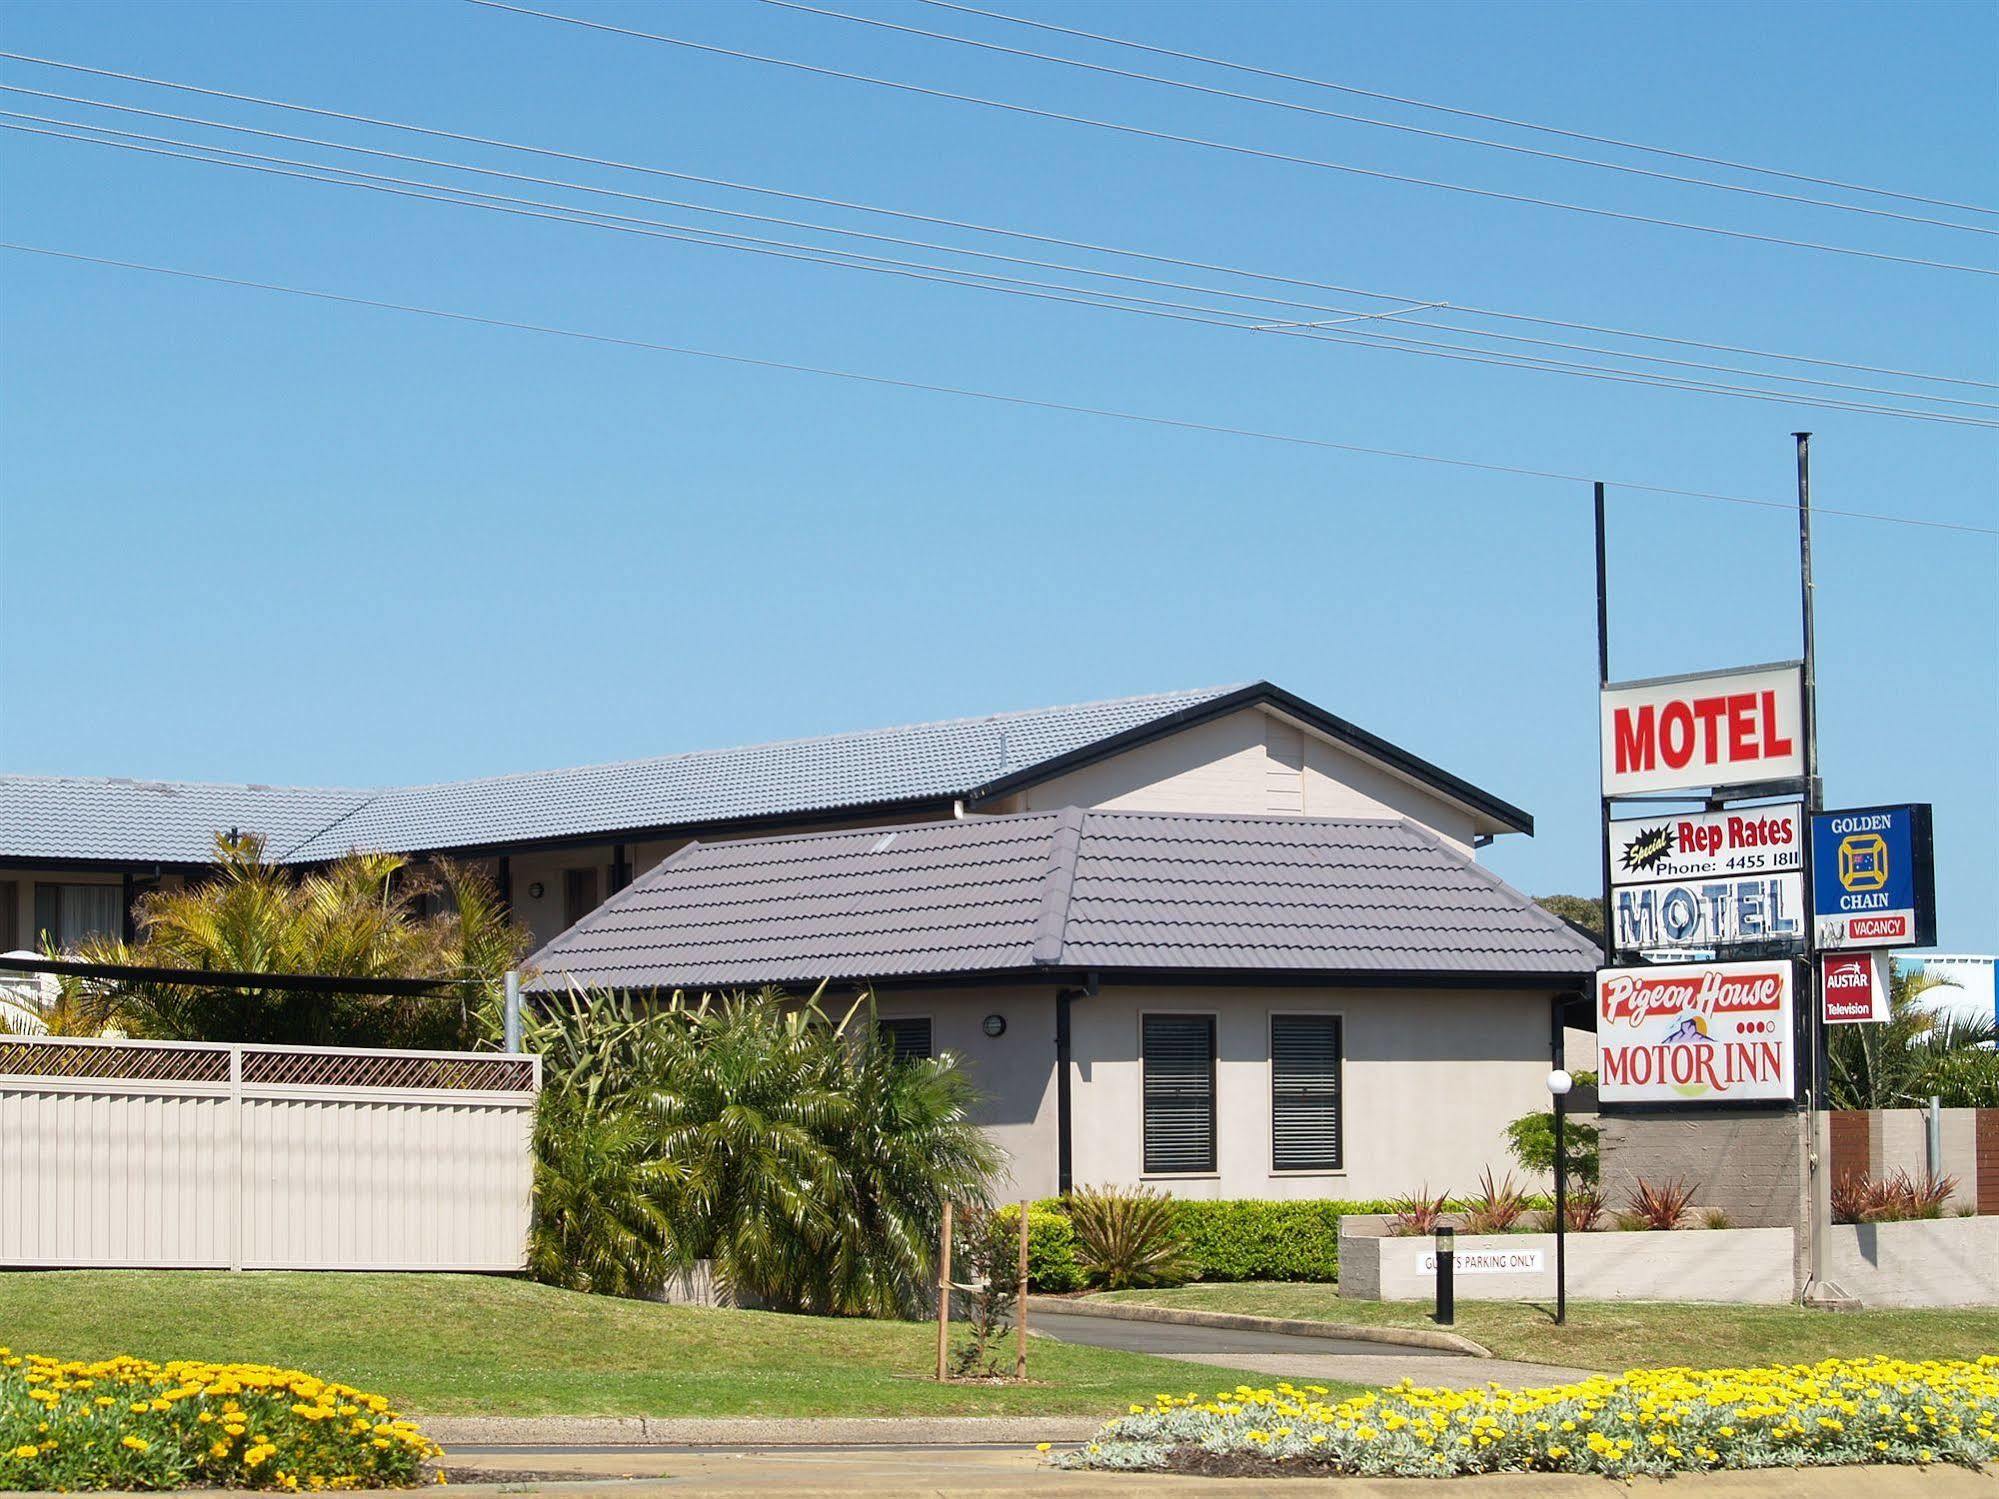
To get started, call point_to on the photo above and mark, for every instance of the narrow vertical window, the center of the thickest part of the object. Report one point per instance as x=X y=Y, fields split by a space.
x=1305 y=1092
x=579 y=894
x=1178 y=1053
x=909 y=1036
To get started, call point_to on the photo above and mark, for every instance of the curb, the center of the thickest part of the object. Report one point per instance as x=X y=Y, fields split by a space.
x=750 y=1431
x=1127 y=1311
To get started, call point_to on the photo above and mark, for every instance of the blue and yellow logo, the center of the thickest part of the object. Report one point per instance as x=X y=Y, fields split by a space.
x=1863 y=861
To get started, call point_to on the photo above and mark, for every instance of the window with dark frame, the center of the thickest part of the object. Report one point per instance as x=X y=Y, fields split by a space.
x=1305 y=1093
x=1177 y=1054
x=68 y=914
x=909 y=1035
x=579 y=894
x=10 y=915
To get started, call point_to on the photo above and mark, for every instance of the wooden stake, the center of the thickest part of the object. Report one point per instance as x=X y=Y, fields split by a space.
x=1020 y=1303
x=944 y=1293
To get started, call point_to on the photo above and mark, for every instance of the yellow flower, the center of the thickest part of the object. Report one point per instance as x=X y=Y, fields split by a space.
x=26 y=1450
x=1043 y=1446
x=137 y=1444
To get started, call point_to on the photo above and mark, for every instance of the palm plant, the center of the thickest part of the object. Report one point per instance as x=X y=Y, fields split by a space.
x=356 y=918
x=790 y=1150
x=600 y=1222
x=1912 y=1055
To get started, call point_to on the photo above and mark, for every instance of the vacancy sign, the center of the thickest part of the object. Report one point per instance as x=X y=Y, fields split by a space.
x=1697 y=1033
x=1685 y=885
x=1724 y=729
x=1854 y=986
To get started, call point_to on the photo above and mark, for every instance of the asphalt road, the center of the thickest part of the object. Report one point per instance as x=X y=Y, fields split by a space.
x=1170 y=1339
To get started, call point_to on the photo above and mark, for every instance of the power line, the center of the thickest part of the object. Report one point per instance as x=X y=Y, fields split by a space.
x=1354 y=119
x=1230 y=147
x=906 y=215
x=921 y=271
x=1467 y=114
x=1345 y=314
x=969 y=393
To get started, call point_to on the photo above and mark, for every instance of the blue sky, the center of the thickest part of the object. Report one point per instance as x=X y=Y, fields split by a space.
x=250 y=537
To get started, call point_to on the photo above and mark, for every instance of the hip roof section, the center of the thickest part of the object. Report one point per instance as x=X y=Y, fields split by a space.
x=1066 y=890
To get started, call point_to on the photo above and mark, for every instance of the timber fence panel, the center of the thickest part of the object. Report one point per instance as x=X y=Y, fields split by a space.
x=151 y=1153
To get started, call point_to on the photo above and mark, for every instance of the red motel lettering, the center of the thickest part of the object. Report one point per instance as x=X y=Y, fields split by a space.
x=1736 y=728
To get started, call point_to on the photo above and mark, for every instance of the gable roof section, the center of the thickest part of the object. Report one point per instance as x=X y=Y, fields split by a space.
x=89 y=819
x=1072 y=890
x=1491 y=814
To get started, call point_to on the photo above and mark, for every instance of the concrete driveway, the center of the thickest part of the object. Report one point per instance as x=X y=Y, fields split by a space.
x=1295 y=1356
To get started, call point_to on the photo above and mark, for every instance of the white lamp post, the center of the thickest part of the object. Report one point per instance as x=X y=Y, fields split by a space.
x=1559 y=1083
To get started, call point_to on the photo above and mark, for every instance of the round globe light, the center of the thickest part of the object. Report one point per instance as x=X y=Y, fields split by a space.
x=1559 y=1082
x=995 y=1025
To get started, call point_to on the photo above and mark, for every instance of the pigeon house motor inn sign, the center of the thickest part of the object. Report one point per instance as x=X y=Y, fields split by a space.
x=1697 y=1033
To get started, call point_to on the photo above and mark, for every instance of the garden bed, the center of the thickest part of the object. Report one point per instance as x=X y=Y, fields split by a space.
x=1646 y=1423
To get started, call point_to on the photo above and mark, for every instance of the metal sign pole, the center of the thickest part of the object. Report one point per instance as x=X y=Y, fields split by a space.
x=1603 y=681
x=1817 y=1121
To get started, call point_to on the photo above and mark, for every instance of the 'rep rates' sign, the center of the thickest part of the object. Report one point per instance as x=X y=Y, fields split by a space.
x=1719 y=729
x=1696 y=1033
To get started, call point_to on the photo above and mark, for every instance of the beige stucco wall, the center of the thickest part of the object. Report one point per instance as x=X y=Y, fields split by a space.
x=1014 y=1072
x=1251 y=763
x=1431 y=1079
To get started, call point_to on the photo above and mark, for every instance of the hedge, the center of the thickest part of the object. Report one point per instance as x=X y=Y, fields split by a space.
x=1252 y=1239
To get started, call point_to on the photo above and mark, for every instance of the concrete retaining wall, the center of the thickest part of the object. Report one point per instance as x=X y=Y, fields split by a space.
x=1751 y=1166
x=1737 y=1265
x=1932 y=1262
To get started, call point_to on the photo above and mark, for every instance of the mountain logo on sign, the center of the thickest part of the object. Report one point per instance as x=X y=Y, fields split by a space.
x=1649 y=848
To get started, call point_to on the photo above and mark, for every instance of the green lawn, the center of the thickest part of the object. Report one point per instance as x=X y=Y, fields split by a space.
x=481 y=1345
x=1618 y=1335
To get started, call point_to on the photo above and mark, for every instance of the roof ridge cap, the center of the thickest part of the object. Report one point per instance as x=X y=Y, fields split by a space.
x=1051 y=922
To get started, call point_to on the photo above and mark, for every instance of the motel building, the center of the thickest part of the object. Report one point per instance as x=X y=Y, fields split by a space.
x=1219 y=941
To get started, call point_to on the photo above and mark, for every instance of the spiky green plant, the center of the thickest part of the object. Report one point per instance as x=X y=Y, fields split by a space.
x=1128 y=1237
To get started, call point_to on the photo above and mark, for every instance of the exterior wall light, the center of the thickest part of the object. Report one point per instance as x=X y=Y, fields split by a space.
x=995 y=1025
x=535 y=890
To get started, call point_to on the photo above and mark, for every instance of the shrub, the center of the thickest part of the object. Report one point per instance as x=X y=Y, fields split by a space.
x=1649 y=1422
x=1128 y=1238
x=1890 y=1199
x=124 y=1423
x=1717 y=1218
x=1496 y=1209
x=790 y=1150
x=1250 y=1239
x=1661 y=1206
x=1531 y=1141
x=1583 y=1208
x=1417 y=1213
x=1052 y=1266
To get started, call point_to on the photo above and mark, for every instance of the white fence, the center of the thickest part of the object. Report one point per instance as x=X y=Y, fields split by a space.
x=189 y=1155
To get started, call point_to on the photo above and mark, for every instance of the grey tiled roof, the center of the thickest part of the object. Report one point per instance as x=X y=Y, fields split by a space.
x=1068 y=890
x=89 y=818
x=172 y=822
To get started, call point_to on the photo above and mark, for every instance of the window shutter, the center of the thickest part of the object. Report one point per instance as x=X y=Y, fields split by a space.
x=910 y=1037
x=1179 y=1061
x=1305 y=1092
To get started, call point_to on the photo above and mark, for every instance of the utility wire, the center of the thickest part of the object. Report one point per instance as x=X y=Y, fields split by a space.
x=1342 y=314
x=922 y=271
x=1467 y=114
x=968 y=226
x=1354 y=119
x=969 y=393
x=1232 y=148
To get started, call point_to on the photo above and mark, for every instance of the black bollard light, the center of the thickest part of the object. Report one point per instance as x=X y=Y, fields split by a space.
x=1447 y=1272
